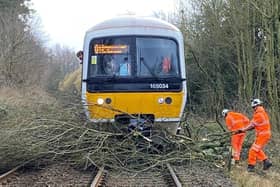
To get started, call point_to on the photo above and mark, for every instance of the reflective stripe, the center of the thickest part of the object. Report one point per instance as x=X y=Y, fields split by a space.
x=263 y=132
x=236 y=154
x=265 y=122
x=256 y=147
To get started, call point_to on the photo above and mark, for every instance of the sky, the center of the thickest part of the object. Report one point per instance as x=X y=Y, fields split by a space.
x=66 y=21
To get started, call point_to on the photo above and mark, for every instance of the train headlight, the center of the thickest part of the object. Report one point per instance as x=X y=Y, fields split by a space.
x=160 y=100
x=100 y=101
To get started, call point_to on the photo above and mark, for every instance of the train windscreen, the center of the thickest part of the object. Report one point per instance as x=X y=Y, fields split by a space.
x=133 y=56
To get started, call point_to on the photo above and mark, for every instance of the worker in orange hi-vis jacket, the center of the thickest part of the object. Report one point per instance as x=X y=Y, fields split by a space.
x=235 y=121
x=261 y=124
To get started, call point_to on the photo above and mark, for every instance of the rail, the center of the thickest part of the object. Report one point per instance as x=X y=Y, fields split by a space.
x=174 y=176
x=100 y=178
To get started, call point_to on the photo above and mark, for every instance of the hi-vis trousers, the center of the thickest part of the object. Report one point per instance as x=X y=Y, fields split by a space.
x=256 y=150
x=236 y=143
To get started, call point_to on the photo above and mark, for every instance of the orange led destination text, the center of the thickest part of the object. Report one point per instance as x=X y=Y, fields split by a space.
x=110 y=49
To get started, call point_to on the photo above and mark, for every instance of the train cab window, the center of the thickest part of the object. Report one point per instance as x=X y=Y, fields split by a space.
x=117 y=65
x=157 y=57
x=110 y=57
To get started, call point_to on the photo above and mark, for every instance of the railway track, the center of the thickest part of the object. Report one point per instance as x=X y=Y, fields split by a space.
x=102 y=179
x=192 y=174
x=8 y=175
x=174 y=177
x=53 y=175
x=169 y=178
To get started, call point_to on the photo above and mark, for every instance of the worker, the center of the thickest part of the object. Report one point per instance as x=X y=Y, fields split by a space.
x=111 y=66
x=80 y=56
x=234 y=122
x=124 y=67
x=166 y=65
x=261 y=124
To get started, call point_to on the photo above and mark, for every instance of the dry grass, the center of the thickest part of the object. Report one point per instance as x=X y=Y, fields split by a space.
x=71 y=81
x=21 y=131
x=257 y=179
x=24 y=96
x=260 y=178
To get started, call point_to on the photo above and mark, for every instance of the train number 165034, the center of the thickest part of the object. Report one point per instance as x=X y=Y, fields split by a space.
x=158 y=86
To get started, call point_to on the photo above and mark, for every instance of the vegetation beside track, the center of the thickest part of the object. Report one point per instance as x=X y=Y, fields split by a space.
x=36 y=125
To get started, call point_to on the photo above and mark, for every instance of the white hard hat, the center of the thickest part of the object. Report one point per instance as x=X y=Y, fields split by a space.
x=255 y=102
x=224 y=112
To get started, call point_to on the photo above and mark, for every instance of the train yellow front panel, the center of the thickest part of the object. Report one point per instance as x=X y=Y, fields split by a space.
x=134 y=103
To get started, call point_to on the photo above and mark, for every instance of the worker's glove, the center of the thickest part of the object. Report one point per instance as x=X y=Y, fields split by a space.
x=239 y=131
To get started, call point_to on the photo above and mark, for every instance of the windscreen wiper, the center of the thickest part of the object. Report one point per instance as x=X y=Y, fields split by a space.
x=148 y=67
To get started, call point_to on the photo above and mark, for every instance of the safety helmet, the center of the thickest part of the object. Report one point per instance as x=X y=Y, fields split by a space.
x=224 y=112
x=255 y=102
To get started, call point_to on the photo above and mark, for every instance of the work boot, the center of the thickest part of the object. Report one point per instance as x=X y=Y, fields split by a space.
x=266 y=164
x=250 y=168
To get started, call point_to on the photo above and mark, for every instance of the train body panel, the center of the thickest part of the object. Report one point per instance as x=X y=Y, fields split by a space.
x=154 y=69
x=152 y=103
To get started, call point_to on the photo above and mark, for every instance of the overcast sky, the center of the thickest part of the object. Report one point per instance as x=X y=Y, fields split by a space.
x=66 y=21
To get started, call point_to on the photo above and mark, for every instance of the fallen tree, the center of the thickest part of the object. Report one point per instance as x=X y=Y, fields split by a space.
x=58 y=131
x=85 y=146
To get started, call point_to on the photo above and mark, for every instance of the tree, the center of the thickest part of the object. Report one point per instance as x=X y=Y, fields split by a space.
x=209 y=58
x=21 y=52
x=235 y=54
x=62 y=61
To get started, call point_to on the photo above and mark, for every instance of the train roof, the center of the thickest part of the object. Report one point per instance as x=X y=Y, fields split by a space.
x=133 y=22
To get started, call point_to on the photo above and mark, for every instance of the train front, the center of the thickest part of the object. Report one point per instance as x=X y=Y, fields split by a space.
x=133 y=74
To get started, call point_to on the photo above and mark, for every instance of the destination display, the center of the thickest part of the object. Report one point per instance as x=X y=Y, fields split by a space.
x=110 y=49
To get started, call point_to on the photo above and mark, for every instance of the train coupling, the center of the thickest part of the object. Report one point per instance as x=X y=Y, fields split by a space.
x=143 y=126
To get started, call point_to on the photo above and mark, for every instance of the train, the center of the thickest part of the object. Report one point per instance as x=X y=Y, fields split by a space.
x=133 y=72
